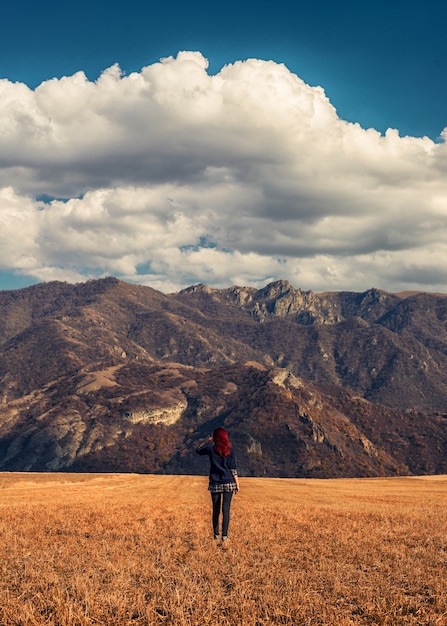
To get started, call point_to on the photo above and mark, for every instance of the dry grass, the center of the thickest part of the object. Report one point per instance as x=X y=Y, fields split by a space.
x=134 y=550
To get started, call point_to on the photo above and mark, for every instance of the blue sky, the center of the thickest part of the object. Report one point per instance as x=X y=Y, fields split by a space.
x=381 y=65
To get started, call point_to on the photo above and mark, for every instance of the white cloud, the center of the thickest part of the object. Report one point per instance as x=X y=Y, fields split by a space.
x=19 y=231
x=173 y=176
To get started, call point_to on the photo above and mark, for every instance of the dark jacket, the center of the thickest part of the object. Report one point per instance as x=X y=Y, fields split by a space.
x=220 y=466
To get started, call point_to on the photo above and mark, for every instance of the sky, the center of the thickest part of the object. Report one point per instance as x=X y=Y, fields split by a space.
x=170 y=144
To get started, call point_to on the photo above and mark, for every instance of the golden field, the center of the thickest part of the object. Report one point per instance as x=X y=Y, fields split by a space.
x=127 y=549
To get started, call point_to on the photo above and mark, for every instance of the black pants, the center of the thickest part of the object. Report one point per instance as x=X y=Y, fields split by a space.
x=221 y=501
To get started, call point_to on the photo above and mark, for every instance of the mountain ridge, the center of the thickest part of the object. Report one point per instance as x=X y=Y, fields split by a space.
x=109 y=376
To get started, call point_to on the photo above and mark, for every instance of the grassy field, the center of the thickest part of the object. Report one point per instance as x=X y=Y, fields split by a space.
x=128 y=550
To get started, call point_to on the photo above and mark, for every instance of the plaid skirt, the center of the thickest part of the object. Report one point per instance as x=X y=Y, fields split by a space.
x=220 y=488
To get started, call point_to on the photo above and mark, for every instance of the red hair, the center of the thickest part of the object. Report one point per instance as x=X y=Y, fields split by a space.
x=222 y=444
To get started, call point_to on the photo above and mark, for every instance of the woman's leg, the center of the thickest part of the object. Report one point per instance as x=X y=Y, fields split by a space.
x=216 y=498
x=227 y=495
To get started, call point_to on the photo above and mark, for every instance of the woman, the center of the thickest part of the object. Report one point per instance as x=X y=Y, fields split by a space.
x=223 y=476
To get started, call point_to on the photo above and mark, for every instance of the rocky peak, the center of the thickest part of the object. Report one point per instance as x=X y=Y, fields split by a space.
x=242 y=296
x=305 y=307
x=199 y=288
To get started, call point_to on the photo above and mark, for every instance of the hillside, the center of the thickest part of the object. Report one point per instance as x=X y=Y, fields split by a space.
x=107 y=376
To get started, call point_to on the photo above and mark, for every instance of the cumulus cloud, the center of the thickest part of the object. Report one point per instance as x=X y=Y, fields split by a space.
x=172 y=176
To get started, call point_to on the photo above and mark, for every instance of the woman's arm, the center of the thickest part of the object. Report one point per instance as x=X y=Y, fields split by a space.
x=206 y=442
x=235 y=477
x=203 y=444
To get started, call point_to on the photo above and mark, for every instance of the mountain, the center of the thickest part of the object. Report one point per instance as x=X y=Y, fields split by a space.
x=108 y=376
